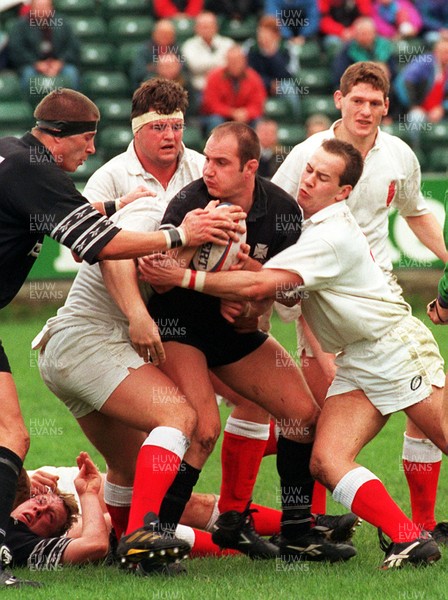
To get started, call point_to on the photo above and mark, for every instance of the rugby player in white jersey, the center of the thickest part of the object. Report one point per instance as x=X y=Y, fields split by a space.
x=355 y=314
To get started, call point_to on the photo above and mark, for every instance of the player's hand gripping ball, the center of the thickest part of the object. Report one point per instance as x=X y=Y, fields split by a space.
x=212 y=257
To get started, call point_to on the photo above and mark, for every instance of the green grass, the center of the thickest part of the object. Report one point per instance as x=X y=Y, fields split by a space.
x=56 y=439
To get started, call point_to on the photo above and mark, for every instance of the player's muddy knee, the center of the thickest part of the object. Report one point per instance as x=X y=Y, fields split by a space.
x=207 y=439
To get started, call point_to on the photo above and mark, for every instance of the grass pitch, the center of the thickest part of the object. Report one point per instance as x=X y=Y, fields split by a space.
x=56 y=439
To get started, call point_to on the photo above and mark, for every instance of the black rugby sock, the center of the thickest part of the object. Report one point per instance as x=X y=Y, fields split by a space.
x=10 y=467
x=293 y=465
x=176 y=498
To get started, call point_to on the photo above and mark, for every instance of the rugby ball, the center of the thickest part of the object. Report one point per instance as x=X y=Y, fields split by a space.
x=212 y=257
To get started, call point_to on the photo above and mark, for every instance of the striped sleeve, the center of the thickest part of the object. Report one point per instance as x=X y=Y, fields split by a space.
x=85 y=231
x=47 y=554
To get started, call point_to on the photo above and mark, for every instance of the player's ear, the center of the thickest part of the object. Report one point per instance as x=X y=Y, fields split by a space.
x=344 y=193
x=251 y=166
x=386 y=107
x=337 y=97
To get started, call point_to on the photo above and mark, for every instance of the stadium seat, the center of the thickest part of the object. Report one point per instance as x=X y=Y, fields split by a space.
x=317 y=80
x=16 y=114
x=184 y=28
x=312 y=104
x=85 y=8
x=113 y=8
x=101 y=84
x=9 y=86
x=290 y=134
x=309 y=54
x=92 y=164
x=97 y=55
x=89 y=28
x=438 y=160
x=240 y=30
x=113 y=140
x=434 y=134
x=278 y=108
x=192 y=138
x=115 y=111
x=127 y=53
x=130 y=29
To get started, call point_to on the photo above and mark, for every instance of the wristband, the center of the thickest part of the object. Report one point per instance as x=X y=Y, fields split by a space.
x=183 y=235
x=175 y=238
x=167 y=238
x=117 y=204
x=186 y=278
x=110 y=207
x=193 y=280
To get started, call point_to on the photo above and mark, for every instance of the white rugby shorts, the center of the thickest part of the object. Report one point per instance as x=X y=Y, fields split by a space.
x=83 y=365
x=394 y=372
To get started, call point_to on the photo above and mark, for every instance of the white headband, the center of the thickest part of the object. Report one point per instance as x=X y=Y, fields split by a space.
x=152 y=115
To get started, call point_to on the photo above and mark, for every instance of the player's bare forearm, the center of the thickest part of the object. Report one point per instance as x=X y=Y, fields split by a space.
x=120 y=279
x=429 y=231
x=236 y=285
x=251 y=286
x=93 y=542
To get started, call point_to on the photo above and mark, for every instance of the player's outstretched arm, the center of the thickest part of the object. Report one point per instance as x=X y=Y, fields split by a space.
x=236 y=285
x=201 y=227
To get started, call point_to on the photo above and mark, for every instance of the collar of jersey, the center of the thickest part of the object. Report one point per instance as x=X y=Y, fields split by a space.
x=134 y=166
x=325 y=213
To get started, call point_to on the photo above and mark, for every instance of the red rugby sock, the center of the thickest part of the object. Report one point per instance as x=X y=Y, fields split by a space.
x=319 y=500
x=271 y=445
x=204 y=546
x=240 y=459
x=373 y=504
x=423 y=479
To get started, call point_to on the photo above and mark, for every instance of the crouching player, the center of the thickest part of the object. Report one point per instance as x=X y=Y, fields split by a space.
x=387 y=360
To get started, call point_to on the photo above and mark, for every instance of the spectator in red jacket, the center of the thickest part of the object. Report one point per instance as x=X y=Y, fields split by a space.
x=234 y=92
x=166 y=9
x=338 y=16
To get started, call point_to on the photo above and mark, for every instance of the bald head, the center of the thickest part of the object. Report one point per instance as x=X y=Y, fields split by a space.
x=236 y=61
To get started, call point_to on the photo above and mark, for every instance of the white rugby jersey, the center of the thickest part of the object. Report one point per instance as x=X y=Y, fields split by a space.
x=391 y=178
x=347 y=298
x=125 y=172
x=89 y=299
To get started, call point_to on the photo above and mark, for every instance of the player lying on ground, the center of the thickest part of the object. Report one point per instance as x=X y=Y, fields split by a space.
x=197 y=521
x=353 y=312
x=37 y=527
